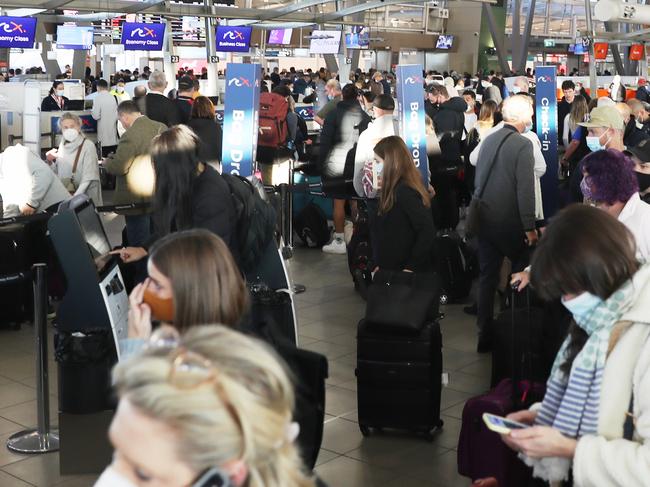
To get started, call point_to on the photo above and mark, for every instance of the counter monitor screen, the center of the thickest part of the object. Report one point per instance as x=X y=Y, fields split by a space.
x=233 y=39
x=444 y=42
x=325 y=42
x=280 y=37
x=358 y=37
x=74 y=37
x=17 y=32
x=94 y=234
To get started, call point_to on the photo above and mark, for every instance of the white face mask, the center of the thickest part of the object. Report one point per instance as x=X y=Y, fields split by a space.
x=486 y=84
x=59 y=92
x=120 y=89
x=70 y=134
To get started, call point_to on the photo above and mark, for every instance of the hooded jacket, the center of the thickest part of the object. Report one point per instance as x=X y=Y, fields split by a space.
x=449 y=124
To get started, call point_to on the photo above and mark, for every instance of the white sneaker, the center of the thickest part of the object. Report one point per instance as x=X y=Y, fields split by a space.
x=337 y=246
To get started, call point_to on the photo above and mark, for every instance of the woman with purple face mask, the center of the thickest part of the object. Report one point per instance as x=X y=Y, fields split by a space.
x=610 y=183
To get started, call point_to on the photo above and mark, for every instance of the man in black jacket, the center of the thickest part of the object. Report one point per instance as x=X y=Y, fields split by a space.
x=505 y=185
x=564 y=106
x=449 y=125
x=185 y=98
x=340 y=134
x=157 y=106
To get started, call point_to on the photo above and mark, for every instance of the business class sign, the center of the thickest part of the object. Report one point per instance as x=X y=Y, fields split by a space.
x=137 y=36
x=241 y=118
x=17 y=32
x=410 y=106
x=546 y=116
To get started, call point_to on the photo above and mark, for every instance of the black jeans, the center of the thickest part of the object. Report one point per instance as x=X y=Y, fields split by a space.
x=490 y=260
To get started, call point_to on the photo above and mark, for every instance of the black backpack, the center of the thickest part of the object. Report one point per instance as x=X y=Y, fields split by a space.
x=256 y=220
x=311 y=226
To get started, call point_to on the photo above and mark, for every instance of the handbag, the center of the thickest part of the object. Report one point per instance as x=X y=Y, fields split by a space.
x=402 y=301
x=472 y=222
x=69 y=182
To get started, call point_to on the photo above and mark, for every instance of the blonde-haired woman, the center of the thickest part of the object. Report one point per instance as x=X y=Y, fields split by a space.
x=212 y=408
x=75 y=161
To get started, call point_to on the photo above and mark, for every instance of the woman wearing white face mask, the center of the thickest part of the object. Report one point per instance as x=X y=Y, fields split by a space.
x=55 y=100
x=75 y=161
x=595 y=415
x=210 y=409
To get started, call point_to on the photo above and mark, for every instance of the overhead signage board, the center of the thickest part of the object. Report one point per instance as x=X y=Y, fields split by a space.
x=233 y=39
x=17 y=32
x=137 y=36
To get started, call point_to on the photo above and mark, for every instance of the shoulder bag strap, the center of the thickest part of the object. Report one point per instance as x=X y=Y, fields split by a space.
x=76 y=157
x=628 y=426
x=493 y=162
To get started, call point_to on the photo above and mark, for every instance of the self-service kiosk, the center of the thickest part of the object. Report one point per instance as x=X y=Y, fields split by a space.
x=91 y=319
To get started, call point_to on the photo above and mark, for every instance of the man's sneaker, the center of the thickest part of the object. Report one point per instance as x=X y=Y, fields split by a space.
x=337 y=246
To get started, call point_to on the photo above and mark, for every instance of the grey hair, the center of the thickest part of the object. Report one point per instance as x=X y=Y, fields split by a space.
x=70 y=116
x=157 y=80
x=515 y=109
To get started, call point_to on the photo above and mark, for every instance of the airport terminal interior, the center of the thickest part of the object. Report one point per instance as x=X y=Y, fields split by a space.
x=307 y=243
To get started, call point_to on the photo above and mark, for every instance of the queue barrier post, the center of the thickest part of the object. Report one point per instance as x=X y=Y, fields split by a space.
x=42 y=439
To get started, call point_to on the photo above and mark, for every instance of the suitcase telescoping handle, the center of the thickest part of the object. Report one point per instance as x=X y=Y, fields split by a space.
x=518 y=395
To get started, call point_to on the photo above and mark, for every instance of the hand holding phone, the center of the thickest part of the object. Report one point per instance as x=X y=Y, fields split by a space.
x=502 y=425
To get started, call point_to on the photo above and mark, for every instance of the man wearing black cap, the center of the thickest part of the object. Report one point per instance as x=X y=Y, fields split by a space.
x=185 y=98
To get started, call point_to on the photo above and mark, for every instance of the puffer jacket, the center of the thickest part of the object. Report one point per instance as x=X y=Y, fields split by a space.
x=449 y=124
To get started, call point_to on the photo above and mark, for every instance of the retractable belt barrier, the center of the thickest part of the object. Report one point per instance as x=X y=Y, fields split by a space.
x=41 y=439
x=24 y=219
x=116 y=208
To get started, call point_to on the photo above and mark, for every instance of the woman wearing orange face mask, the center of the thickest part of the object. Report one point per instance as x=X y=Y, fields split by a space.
x=193 y=280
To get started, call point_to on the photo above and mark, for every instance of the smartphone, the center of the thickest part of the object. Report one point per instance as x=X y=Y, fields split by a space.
x=377 y=168
x=502 y=425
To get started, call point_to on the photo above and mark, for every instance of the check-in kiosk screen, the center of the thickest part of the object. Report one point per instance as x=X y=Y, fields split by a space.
x=95 y=236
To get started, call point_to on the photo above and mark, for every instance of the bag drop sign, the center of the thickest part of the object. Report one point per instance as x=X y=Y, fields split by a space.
x=17 y=32
x=410 y=105
x=137 y=36
x=241 y=118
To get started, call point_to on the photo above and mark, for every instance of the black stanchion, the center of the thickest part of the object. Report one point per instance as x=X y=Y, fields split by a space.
x=41 y=439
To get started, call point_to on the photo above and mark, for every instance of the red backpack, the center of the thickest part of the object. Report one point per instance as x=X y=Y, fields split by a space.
x=273 y=121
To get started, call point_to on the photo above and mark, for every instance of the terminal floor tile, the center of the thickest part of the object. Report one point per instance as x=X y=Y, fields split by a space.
x=328 y=313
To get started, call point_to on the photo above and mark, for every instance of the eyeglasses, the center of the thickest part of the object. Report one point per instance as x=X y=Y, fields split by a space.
x=190 y=370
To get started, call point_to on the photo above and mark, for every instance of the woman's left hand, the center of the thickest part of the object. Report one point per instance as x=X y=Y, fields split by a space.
x=541 y=442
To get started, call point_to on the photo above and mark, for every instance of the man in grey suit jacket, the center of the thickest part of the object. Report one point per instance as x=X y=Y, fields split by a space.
x=504 y=174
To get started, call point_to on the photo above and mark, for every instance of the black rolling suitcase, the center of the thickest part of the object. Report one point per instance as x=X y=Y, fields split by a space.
x=541 y=330
x=399 y=379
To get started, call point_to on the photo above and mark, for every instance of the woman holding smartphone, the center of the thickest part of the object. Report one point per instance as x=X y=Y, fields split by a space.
x=595 y=417
x=404 y=225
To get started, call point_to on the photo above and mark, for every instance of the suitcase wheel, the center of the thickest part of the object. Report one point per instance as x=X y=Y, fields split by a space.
x=365 y=430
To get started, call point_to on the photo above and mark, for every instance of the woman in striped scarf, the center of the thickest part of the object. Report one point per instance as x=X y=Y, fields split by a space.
x=594 y=420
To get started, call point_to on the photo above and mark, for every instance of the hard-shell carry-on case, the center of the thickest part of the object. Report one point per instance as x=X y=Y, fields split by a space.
x=481 y=452
x=399 y=379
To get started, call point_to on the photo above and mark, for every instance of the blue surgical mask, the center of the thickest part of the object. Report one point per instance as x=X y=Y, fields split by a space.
x=516 y=90
x=594 y=144
x=529 y=127
x=581 y=306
